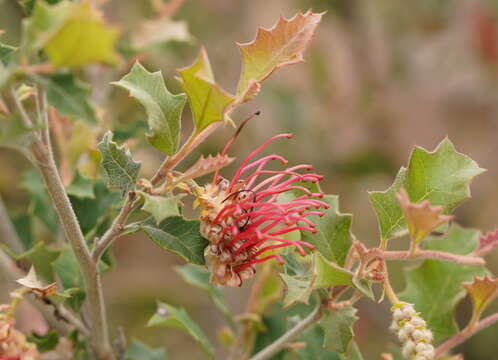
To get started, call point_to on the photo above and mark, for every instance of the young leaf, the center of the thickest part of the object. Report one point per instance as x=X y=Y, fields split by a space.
x=164 y=109
x=338 y=325
x=70 y=96
x=333 y=238
x=199 y=277
x=85 y=27
x=330 y=274
x=435 y=288
x=178 y=235
x=121 y=169
x=281 y=45
x=207 y=99
x=421 y=218
x=297 y=288
x=81 y=187
x=487 y=243
x=170 y=316
x=426 y=178
x=139 y=351
x=162 y=207
x=482 y=291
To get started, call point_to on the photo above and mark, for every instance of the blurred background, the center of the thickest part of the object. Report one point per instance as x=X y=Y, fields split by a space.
x=378 y=78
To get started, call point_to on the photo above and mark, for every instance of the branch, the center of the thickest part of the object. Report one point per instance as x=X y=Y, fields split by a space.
x=280 y=343
x=429 y=254
x=115 y=230
x=465 y=334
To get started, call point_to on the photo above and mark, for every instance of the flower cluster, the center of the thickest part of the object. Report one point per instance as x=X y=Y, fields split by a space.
x=13 y=343
x=412 y=332
x=245 y=221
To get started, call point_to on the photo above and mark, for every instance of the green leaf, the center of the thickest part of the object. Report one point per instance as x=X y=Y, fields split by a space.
x=23 y=225
x=121 y=170
x=68 y=271
x=162 y=207
x=41 y=257
x=14 y=133
x=6 y=52
x=70 y=96
x=338 y=325
x=45 y=342
x=441 y=176
x=178 y=235
x=329 y=274
x=435 y=287
x=333 y=238
x=298 y=288
x=199 y=277
x=207 y=99
x=313 y=349
x=164 y=110
x=354 y=353
x=81 y=187
x=274 y=326
x=170 y=316
x=139 y=351
x=84 y=27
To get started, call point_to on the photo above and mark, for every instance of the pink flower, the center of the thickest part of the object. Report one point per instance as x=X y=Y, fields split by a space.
x=244 y=220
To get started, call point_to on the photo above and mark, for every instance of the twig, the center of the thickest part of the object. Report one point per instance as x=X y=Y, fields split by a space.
x=46 y=164
x=281 y=342
x=116 y=228
x=465 y=334
x=429 y=254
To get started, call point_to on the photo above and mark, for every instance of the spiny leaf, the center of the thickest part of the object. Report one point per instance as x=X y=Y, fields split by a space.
x=41 y=258
x=330 y=274
x=207 y=165
x=435 y=288
x=207 y=99
x=281 y=45
x=487 y=243
x=70 y=96
x=178 y=235
x=482 y=291
x=338 y=325
x=31 y=281
x=162 y=207
x=441 y=176
x=121 y=169
x=297 y=288
x=94 y=38
x=421 y=218
x=333 y=238
x=170 y=316
x=164 y=109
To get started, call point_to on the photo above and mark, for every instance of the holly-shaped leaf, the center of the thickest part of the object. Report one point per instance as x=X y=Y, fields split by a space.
x=421 y=218
x=487 y=243
x=164 y=109
x=41 y=257
x=70 y=96
x=170 y=316
x=338 y=326
x=281 y=45
x=84 y=27
x=207 y=99
x=81 y=187
x=119 y=166
x=434 y=287
x=199 y=277
x=162 y=207
x=482 y=291
x=441 y=176
x=139 y=351
x=297 y=288
x=178 y=235
x=330 y=274
x=333 y=237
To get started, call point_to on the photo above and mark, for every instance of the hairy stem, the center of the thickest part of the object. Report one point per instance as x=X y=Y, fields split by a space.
x=465 y=334
x=429 y=254
x=281 y=342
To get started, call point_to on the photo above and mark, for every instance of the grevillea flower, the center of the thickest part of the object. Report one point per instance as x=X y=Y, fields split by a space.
x=13 y=343
x=244 y=220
